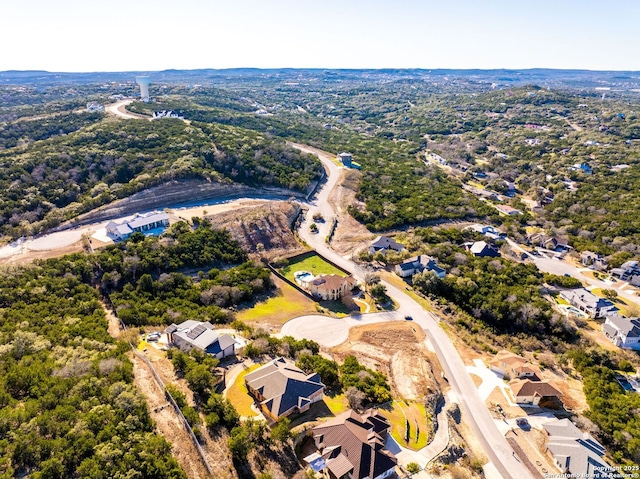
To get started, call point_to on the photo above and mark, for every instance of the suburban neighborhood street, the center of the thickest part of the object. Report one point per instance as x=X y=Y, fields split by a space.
x=500 y=454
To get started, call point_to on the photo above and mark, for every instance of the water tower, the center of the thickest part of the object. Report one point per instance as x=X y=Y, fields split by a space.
x=144 y=82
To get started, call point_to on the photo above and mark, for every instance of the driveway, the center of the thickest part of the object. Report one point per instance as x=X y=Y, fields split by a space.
x=490 y=381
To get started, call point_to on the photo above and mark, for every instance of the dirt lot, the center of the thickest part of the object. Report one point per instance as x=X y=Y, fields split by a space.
x=350 y=235
x=532 y=442
x=397 y=350
x=263 y=229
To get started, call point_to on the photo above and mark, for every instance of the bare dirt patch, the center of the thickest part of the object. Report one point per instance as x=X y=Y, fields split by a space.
x=349 y=234
x=396 y=349
x=27 y=255
x=264 y=229
x=532 y=444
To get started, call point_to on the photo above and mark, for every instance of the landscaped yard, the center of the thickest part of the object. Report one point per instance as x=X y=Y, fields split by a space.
x=398 y=412
x=314 y=264
x=238 y=395
x=336 y=403
x=287 y=304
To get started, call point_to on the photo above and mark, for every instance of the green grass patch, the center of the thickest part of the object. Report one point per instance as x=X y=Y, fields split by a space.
x=398 y=412
x=239 y=396
x=399 y=283
x=336 y=403
x=563 y=301
x=314 y=264
x=288 y=303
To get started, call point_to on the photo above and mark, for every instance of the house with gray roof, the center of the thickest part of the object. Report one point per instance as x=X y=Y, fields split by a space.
x=418 y=264
x=382 y=244
x=142 y=223
x=586 y=301
x=198 y=335
x=281 y=389
x=482 y=249
x=628 y=271
x=594 y=261
x=576 y=452
x=623 y=332
x=351 y=445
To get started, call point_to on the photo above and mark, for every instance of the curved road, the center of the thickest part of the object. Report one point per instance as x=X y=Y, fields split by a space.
x=477 y=416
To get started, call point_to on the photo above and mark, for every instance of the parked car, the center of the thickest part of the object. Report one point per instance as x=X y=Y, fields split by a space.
x=408 y=318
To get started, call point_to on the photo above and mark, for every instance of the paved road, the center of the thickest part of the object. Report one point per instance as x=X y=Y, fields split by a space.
x=561 y=267
x=118 y=109
x=476 y=414
x=328 y=331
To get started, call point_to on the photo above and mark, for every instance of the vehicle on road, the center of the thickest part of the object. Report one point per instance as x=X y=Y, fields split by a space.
x=408 y=318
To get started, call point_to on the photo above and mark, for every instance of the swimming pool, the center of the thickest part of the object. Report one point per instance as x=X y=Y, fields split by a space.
x=303 y=276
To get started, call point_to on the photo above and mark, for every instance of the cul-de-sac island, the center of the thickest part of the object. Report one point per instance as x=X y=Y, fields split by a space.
x=338 y=274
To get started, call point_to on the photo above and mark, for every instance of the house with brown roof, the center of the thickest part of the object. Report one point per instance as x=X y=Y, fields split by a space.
x=511 y=365
x=351 y=446
x=526 y=391
x=331 y=286
x=282 y=389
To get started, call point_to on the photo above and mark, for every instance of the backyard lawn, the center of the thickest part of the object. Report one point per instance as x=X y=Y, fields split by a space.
x=336 y=403
x=238 y=395
x=287 y=304
x=314 y=264
x=398 y=412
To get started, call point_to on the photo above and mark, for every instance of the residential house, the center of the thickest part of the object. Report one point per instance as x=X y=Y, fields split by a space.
x=594 y=261
x=511 y=365
x=508 y=210
x=482 y=249
x=198 y=335
x=623 y=332
x=167 y=114
x=488 y=231
x=553 y=243
x=583 y=167
x=331 y=286
x=351 y=446
x=526 y=391
x=576 y=452
x=418 y=264
x=282 y=389
x=93 y=106
x=628 y=271
x=382 y=244
x=586 y=301
x=142 y=223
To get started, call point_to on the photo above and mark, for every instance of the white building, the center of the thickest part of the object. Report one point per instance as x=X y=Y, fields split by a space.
x=142 y=223
x=198 y=335
x=589 y=303
x=623 y=332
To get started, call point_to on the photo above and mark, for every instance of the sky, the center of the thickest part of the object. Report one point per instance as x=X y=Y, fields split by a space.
x=145 y=35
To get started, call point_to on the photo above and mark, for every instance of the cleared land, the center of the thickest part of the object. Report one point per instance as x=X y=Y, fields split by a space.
x=272 y=313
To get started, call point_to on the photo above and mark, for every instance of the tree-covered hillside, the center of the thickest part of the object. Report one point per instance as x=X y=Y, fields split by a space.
x=46 y=182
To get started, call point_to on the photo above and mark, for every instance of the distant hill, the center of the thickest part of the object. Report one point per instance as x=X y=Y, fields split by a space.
x=540 y=76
